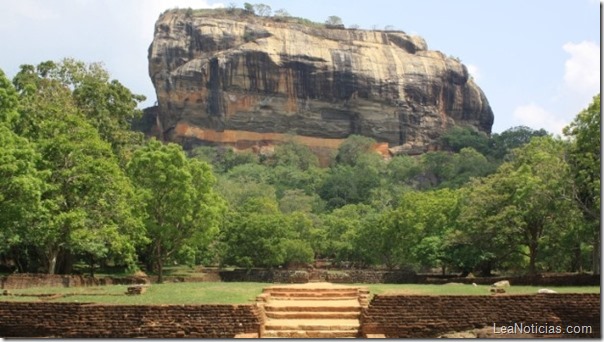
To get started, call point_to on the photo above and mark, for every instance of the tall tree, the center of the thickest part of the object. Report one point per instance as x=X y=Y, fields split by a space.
x=353 y=148
x=524 y=203
x=106 y=104
x=585 y=163
x=503 y=143
x=487 y=234
x=181 y=207
x=21 y=188
x=90 y=207
x=87 y=203
x=254 y=234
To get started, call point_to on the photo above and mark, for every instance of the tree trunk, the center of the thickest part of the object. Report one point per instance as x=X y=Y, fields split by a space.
x=65 y=262
x=576 y=263
x=92 y=266
x=532 y=258
x=485 y=269
x=596 y=253
x=160 y=276
x=158 y=257
x=52 y=261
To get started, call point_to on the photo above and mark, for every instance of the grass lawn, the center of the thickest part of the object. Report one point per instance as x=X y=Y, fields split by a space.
x=167 y=293
x=463 y=289
x=245 y=293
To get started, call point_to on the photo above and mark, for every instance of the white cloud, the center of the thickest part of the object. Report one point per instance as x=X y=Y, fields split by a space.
x=582 y=69
x=474 y=72
x=581 y=81
x=537 y=117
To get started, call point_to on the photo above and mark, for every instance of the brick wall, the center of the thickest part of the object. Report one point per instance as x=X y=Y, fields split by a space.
x=537 y=280
x=27 y=280
x=393 y=316
x=265 y=275
x=64 y=320
x=430 y=316
x=398 y=277
x=20 y=281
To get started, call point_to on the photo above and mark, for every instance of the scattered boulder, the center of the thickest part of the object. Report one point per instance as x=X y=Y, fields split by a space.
x=546 y=291
x=474 y=284
x=496 y=290
x=501 y=284
x=136 y=290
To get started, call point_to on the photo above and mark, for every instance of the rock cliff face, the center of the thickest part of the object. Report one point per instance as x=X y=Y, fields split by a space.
x=245 y=80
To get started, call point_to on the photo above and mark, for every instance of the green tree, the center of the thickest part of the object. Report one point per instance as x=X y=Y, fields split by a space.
x=297 y=252
x=238 y=192
x=9 y=101
x=106 y=104
x=181 y=208
x=466 y=164
x=262 y=10
x=585 y=164
x=291 y=153
x=437 y=167
x=334 y=20
x=348 y=185
x=249 y=8
x=285 y=178
x=297 y=200
x=21 y=188
x=403 y=170
x=353 y=148
x=282 y=13
x=459 y=137
x=542 y=192
x=223 y=158
x=342 y=227
x=21 y=185
x=503 y=143
x=413 y=233
x=523 y=204
x=254 y=235
x=87 y=206
x=487 y=233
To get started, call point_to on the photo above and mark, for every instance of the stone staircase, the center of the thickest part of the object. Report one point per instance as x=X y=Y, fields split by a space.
x=313 y=310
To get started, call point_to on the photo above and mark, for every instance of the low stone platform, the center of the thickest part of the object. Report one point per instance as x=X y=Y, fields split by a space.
x=312 y=310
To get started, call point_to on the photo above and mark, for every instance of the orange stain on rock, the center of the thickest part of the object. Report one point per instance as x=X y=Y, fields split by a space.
x=240 y=138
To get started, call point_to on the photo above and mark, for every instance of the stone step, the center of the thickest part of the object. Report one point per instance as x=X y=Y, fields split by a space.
x=310 y=334
x=312 y=298
x=375 y=336
x=247 y=335
x=312 y=315
x=306 y=288
x=313 y=324
x=313 y=306
x=312 y=294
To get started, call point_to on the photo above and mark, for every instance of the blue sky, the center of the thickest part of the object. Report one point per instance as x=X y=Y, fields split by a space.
x=538 y=61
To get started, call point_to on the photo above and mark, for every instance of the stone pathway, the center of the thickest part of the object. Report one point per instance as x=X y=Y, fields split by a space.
x=313 y=310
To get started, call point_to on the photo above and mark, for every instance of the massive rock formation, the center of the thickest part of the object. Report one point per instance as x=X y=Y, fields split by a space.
x=246 y=80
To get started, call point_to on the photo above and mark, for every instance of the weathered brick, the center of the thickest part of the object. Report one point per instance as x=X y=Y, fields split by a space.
x=429 y=316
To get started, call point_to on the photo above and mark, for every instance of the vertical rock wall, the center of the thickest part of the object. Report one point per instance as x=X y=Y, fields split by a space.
x=218 y=72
